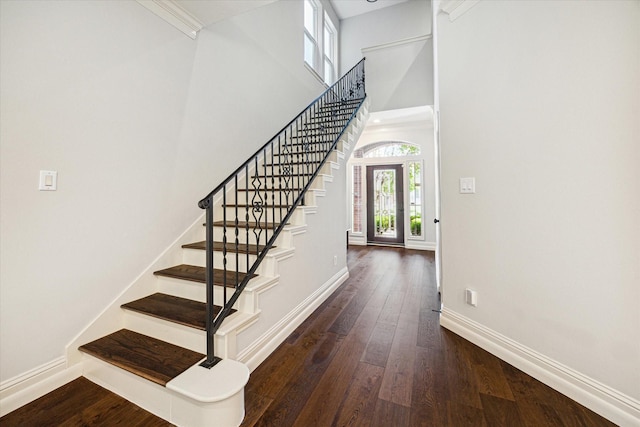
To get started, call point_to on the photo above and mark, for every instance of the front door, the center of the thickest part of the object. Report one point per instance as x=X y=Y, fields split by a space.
x=385 y=210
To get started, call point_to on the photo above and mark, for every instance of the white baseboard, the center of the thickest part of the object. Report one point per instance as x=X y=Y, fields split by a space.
x=31 y=385
x=600 y=398
x=261 y=348
x=420 y=245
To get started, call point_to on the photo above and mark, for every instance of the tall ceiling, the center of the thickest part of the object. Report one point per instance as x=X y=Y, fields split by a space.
x=210 y=11
x=348 y=8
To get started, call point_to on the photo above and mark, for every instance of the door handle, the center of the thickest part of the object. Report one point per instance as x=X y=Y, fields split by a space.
x=436 y=220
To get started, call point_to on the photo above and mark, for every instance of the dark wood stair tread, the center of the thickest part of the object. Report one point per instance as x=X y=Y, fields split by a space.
x=319 y=139
x=320 y=125
x=183 y=311
x=243 y=224
x=278 y=188
x=345 y=101
x=328 y=118
x=231 y=247
x=300 y=153
x=251 y=206
x=150 y=358
x=196 y=273
x=310 y=162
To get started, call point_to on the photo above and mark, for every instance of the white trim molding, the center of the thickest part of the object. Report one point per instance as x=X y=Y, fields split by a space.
x=456 y=8
x=174 y=14
x=31 y=385
x=419 y=245
x=262 y=347
x=396 y=43
x=600 y=398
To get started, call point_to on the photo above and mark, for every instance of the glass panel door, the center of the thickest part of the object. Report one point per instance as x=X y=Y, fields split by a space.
x=385 y=212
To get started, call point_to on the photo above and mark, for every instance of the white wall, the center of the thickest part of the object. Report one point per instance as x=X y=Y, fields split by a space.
x=390 y=24
x=540 y=103
x=398 y=74
x=140 y=122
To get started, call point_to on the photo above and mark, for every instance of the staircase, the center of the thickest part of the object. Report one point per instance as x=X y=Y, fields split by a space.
x=174 y=351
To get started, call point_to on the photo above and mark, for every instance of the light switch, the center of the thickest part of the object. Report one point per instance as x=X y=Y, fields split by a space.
x=48 y=181
x=471 y=297
x=467 y=185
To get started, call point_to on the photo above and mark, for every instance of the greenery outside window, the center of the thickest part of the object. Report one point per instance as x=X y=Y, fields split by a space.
x=415 y=199
x=356 y=217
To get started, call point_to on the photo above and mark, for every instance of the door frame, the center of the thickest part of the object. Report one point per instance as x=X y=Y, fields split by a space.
x=399 y=240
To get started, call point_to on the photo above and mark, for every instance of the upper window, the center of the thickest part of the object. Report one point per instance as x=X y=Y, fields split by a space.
x=320 y=41
x=330 y=42
x=311 y=51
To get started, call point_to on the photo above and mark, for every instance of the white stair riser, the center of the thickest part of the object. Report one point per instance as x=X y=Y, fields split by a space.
x=180 y=335
x=187 y=337
x=219 y=234
x=295 y=169
x=146 y=394
x=268 y=213
x=197 y=292
x=162 y=402
x=198 y=257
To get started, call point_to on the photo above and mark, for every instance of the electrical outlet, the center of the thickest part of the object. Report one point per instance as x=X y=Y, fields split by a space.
x=467 y=185
x=335 y=260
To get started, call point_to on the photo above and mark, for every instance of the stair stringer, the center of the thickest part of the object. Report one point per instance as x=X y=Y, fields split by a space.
x=253 y=338
x=269 y=332
x=111 y=318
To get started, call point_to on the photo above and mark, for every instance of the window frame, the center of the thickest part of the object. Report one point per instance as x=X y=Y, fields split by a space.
x=313 y=37
x=316 y=39
x=332 y=46
x=359 y=237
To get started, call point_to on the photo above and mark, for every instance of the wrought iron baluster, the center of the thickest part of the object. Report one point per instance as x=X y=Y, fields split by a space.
x=236 y=232
x=273 y=193
x=280 y=185
x=246 y=208
x=318 y=129
x=224 y=244
x=266 y=196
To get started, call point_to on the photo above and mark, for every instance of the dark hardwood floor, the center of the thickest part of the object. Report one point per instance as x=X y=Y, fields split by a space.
x=81 y=403
x=372 y=355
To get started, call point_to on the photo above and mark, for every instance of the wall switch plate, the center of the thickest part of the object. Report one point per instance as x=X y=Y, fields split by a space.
x=467 y=185
x=48 y=181
x=471 y=297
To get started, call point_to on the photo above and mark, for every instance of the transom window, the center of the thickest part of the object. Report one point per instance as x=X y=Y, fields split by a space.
x=388 y=149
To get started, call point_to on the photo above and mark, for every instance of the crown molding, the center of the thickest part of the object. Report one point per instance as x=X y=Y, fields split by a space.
x=397 y=43
x=455 y=8
x=171 y=12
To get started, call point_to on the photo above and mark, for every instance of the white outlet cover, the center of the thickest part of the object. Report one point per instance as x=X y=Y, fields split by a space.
x=467 y=185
